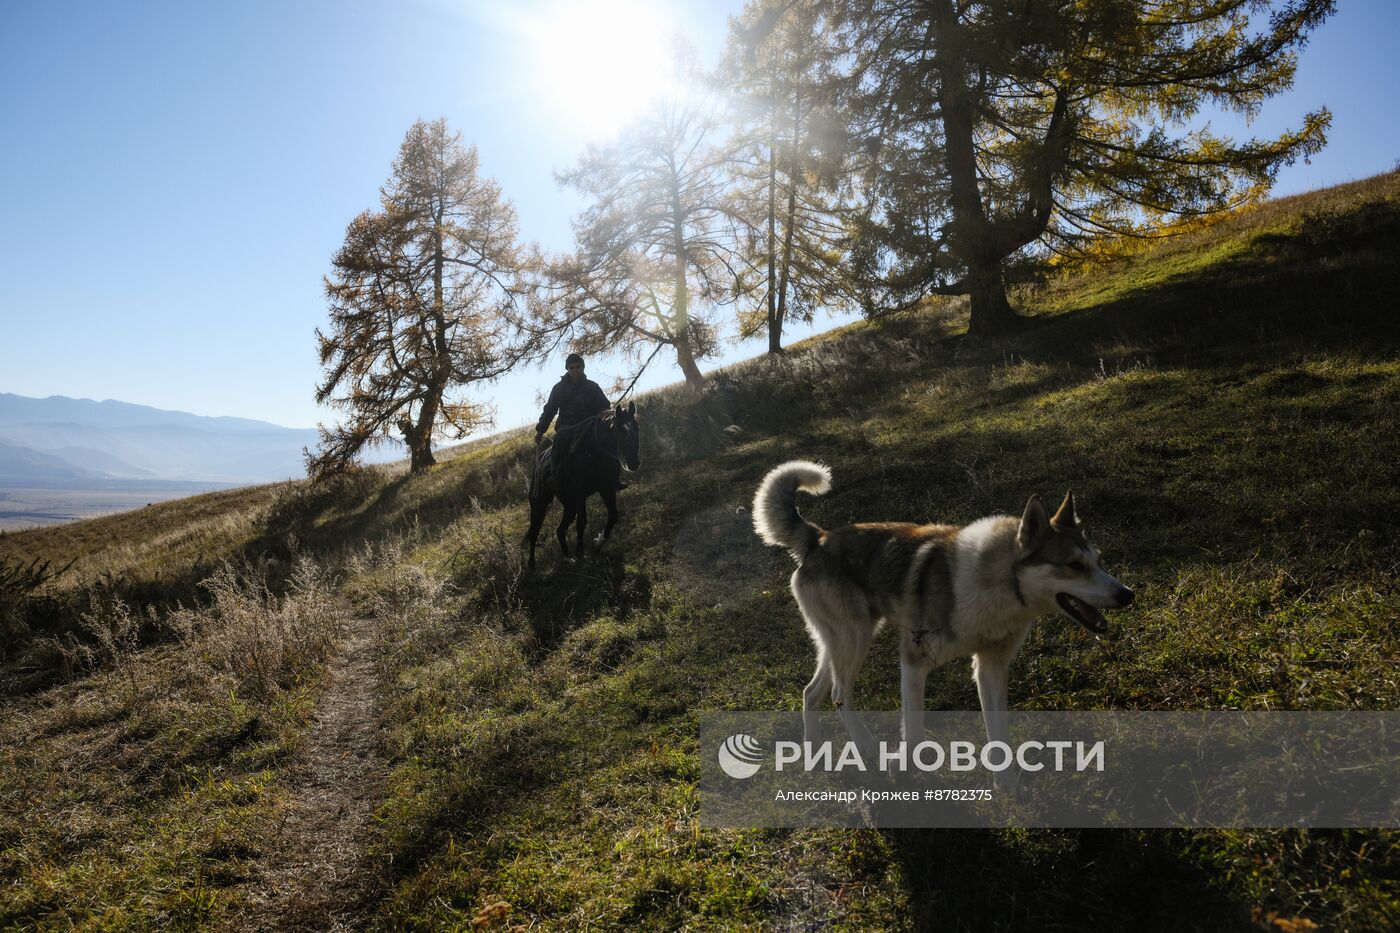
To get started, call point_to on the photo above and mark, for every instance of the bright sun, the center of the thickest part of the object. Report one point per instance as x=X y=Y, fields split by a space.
x=600 y=62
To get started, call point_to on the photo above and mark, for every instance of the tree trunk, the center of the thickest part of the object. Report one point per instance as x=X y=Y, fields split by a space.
x=680 y=319
x=686 y=359
x=680 y=326
x=973 y=235
x=419 y=441
x=790 y=218
x=785 y=276
x=421 y=456
x=775 y=323
x=991 y=312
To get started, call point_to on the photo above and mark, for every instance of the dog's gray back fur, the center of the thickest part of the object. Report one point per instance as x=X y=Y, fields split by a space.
x=930 y=579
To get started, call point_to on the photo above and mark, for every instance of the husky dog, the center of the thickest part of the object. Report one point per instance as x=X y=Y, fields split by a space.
x=952 y=591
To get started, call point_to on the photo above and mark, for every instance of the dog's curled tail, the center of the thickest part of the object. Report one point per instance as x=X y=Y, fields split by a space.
x=775 y=515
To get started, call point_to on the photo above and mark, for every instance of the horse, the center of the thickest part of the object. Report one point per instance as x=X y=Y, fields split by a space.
x=604 y=442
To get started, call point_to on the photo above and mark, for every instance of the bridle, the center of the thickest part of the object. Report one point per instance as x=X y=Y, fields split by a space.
x=618 y=452
x=590 y=425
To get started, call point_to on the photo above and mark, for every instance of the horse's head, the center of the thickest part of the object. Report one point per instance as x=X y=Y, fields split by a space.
x=628 y=434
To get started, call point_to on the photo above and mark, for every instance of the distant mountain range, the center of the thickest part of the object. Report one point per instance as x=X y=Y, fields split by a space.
x=72 y=441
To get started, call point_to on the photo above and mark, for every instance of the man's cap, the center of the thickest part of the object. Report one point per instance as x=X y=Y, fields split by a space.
x=572 y=359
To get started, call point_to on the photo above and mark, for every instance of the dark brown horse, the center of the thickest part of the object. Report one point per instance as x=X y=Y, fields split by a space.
x=604 y=442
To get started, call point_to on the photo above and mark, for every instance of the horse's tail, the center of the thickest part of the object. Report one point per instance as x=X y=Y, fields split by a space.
x=775 y=515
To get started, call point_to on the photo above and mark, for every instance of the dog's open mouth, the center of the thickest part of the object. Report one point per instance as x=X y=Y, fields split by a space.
x=1083 y=613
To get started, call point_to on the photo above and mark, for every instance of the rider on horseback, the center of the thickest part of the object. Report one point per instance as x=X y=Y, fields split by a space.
x=577 y=400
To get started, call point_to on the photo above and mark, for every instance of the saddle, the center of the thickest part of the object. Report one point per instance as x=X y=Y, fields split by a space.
x=543 y=468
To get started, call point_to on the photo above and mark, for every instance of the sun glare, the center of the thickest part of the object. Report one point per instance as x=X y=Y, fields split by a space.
x=601 y=62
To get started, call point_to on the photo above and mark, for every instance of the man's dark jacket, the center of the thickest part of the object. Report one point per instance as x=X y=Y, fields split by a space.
x=572 y=402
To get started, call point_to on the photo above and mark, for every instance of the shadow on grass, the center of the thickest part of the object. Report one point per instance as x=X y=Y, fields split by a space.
x=559 y=595
x=1329 y=287
x=1059 y=879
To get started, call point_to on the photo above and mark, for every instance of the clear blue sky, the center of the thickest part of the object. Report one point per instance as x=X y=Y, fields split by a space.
x=174 y=177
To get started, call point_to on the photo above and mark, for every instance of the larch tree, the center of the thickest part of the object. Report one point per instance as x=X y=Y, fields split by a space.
x=428 y=295
x=987 y=128
x=784 y=156
x=654 y=250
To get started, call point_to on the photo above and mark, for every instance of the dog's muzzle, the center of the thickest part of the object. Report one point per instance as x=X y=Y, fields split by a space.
x=1089 y=616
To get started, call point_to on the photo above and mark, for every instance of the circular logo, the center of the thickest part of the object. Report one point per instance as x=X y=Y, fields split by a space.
x=741 y=756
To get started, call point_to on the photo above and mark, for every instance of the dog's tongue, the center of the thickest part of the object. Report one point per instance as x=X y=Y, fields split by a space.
x=1083 y=613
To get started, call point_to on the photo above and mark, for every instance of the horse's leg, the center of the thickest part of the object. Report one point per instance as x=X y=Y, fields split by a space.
x=609 y=495
x=570 y=508
x=582 y=523
x=539 y=508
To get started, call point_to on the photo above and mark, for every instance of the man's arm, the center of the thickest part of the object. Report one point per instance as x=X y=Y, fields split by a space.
x=551 y=408
x=600 y=401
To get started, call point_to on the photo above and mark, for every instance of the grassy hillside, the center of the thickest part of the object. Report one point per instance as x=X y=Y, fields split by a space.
x=1226 y=406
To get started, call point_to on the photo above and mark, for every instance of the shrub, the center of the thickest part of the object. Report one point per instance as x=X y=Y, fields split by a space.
x=414 y=609
x=265 y=642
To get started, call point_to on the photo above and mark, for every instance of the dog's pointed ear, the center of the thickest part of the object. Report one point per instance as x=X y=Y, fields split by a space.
x=1065 y=517
x=1035 y=523
x=618 y=413
x=632 y=408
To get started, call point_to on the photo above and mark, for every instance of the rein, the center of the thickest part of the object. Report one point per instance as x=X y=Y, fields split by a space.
x=617 y=453
x=628 y=390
